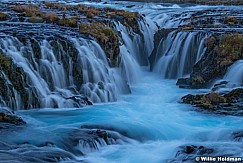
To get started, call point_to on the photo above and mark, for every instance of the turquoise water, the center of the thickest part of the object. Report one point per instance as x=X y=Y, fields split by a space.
x=151 y=116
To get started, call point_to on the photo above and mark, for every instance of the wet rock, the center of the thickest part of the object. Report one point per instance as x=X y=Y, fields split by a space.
x=237 y=135
x=222 y=84
x=82 y=100
x=235 y=96
x=31 y=153
x=190 y=152
x=7 y=116
x=84 y=140
x=229 y=104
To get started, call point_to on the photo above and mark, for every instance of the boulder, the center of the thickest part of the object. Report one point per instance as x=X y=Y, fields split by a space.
x=188 y=153
x=230 y=103
x=7 y=116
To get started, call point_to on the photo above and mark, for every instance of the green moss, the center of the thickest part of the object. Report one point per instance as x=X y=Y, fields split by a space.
x=197 y=80
x=36 y=19
x=51 y=18
x=230 y=49
x=5 y=63
x=105 y=36
x=68 y=22
x=208 y=101
x=210 y=42
x=231 y=20
x=29 y=10
x=98 y=30
x=3 y=16
x=57 y=6
x=128 y=18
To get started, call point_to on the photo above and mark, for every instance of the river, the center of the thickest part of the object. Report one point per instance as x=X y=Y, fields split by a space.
x=147 y=125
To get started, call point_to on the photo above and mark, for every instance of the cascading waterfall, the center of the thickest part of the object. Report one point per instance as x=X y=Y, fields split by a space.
x=136 y=48
x=58 y=76
x=178 y=52
x=60 y=71
x=235 y=73
x=147 y=29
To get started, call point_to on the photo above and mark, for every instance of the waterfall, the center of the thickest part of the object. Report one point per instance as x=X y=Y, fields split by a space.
x=57 y=72
x=147 y=28
x=54 y=70
x=135 y=48
x=235 y=72
x=178 y=52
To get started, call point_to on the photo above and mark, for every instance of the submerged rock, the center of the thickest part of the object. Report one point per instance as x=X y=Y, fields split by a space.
x=7 y=116
x=188 y=153
x=230 y=103
x=88 y=139
x=31 y=153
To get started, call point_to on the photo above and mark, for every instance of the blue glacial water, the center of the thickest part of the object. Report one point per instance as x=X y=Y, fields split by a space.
x=153 y=121
x=151 y=116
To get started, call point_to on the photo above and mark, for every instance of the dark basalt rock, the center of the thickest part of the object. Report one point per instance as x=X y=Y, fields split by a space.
x=7 y=116
x=222 y=84
x=237 y=135
x=229 y=104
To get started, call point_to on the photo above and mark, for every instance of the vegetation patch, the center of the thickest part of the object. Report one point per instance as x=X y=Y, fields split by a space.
x=68 y=22
x=3 y=16
x=5 y=63
x=230 y=49
x=36 y=19
x=127 y=18
x=105 y=36
x=51 y=18
x=54 y=5
x=230 y=20
x=29 y=10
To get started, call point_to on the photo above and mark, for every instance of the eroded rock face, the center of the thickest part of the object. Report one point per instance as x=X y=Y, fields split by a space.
x=222 y=52
x=229 y=104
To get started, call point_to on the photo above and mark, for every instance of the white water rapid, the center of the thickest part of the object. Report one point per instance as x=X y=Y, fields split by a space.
x=151 y=116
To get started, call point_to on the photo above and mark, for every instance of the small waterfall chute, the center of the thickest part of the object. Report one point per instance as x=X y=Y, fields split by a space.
x=177 y=53
x=235 y=73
